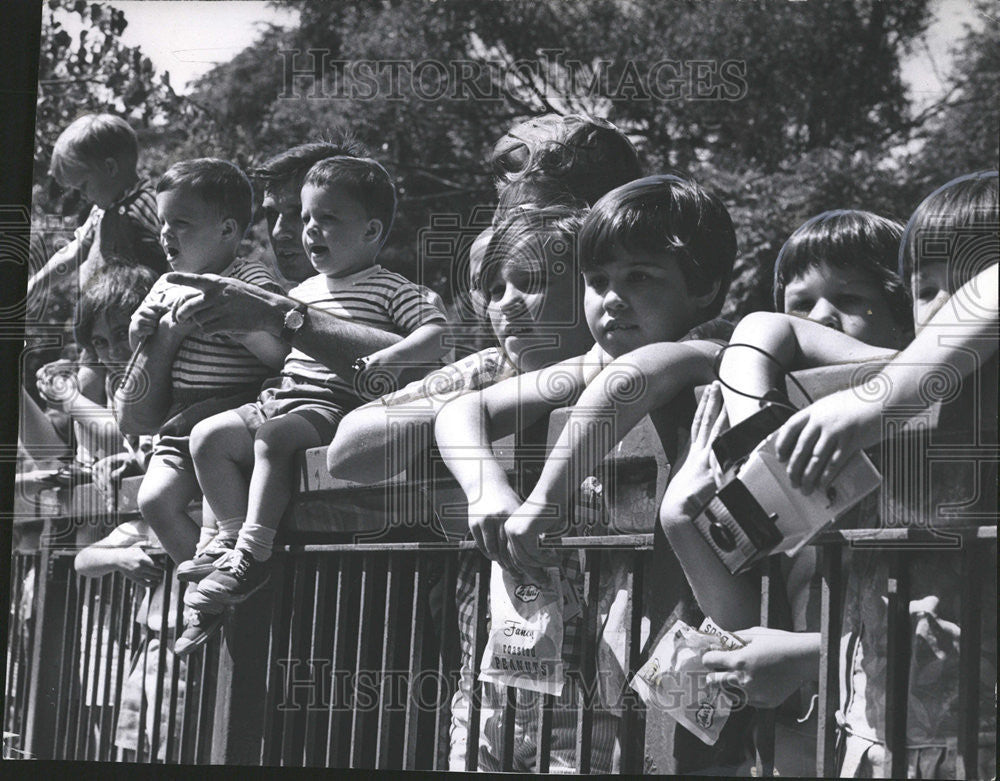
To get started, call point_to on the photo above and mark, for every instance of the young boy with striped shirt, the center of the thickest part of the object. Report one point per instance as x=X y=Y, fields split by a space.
x=245 y=457
x=178 y=374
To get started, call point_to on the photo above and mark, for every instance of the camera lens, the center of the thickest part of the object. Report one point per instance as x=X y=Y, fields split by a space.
x=722 y=536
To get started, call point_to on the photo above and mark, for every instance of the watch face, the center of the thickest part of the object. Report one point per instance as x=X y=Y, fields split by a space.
x=294 y=320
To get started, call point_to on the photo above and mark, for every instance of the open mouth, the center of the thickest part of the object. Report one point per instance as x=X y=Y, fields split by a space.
x=516 y=329
x=318 y=250
x=172 y=252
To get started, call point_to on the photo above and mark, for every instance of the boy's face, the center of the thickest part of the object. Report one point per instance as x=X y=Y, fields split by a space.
x=848 y=300
x=195 y=236
x=931 y=288
x=96 y=181
x=534 y=309
x=283 y=209
x=337 y=234
x=109 y=338
x=637 y=299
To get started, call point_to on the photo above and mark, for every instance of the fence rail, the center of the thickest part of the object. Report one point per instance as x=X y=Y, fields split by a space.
x=360 y=660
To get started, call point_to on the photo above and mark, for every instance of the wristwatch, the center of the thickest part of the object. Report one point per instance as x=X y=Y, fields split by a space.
x=294 y=320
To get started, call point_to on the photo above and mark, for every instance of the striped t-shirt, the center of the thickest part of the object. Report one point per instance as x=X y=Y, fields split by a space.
x=217 y=362
x=374 y=297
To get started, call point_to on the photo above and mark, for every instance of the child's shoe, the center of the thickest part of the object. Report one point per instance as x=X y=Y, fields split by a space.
x=237 y=575
x=198 y=630
x=204 y=562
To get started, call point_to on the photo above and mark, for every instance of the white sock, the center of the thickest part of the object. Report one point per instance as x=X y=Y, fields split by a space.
x=256 y=540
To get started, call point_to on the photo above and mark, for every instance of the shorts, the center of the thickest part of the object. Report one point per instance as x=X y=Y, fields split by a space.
x=174 y=452
x=317 y=405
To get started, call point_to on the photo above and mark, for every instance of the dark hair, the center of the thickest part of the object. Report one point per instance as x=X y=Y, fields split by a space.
x=291 y=166
x=114 y=289
x=957 y=224
x=847 y=239
x=665 y=214
x=92 y=138
x=549 y=233
x=366 y=181
x=217 y=182
x=580 y=156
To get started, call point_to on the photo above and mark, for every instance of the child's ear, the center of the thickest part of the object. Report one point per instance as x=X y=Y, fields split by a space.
x=230 y=229
x=111 y=167
x=702 y=300
x=373 y=230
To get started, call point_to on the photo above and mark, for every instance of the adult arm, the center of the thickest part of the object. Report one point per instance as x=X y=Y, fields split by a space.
x=235 y=307
x=119 y=551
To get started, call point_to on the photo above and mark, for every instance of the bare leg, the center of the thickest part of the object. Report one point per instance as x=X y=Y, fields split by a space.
x=273 y=480
x=164 y=497
x=222 y=449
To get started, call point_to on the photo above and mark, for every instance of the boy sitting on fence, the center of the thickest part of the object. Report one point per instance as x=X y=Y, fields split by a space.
x=245 y=457
x=657 y=256
x=949 y=254
x=179 y=375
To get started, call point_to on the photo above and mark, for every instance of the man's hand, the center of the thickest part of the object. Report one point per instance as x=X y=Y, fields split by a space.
x=107 y=474
x=818 y=440
x=693 y=484
x=145 y=319
x=229 y=305
x=57 y=382
x=771 y=666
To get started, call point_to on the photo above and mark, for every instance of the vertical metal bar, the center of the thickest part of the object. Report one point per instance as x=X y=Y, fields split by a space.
x=387 y=738
x=897 y=661
x=206 y=705
x=509 y=722
x=97 y=666
x=123 y=630
x=281 y=576
x=107 y=707
x=588 y=662
x=82 y=675
x=143 y=739
x=344 y=636
x=830 y=562
x=631 y=738
x=973 y=570
x=442 y=725
x=318 y=641
x=169 y=753
x=546 y=704
x=479 y=644
x=362 y=737
x=764 y=733
x=161 y=660
x=415 y=667
x=69 y=669
x=294 y=607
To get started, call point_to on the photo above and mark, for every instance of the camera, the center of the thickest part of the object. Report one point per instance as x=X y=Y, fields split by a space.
x=757 y=512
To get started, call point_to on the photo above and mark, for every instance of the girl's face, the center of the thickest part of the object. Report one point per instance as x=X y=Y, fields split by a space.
x=109 y=339
x=848 y=300
x=534 y=304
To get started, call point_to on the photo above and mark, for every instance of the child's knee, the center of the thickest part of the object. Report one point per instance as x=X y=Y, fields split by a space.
x=276 y=439
x=161 y=499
